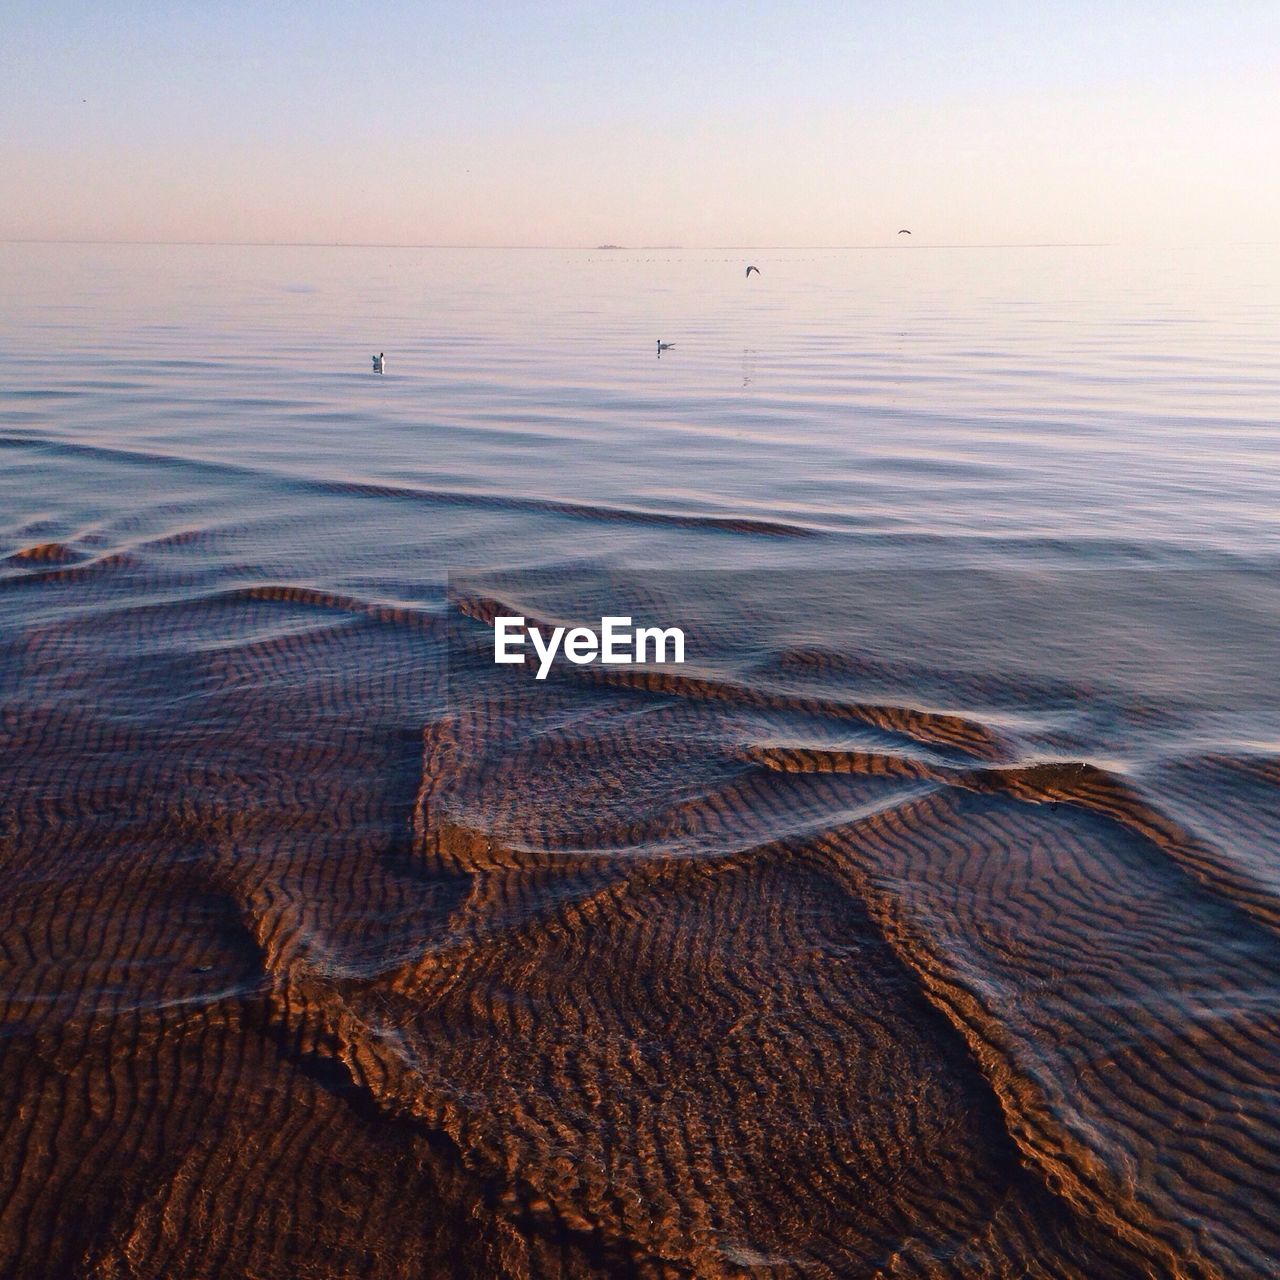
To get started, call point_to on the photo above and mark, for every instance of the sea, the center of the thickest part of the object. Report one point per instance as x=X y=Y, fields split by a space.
x=924 y=921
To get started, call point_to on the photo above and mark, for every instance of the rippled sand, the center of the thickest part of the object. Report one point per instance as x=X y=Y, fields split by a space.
x=316 y=966
x=923 y=924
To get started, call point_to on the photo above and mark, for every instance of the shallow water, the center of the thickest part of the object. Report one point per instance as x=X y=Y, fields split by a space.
x=924 y=922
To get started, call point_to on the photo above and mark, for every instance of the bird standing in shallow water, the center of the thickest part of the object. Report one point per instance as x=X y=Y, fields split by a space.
x=379 y=363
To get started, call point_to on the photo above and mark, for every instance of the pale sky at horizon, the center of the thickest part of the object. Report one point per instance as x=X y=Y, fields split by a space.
x=575 y=123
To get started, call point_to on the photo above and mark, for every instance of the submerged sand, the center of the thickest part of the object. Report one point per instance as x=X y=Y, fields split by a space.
x=329 y=949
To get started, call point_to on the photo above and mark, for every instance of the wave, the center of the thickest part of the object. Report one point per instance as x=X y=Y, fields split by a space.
x=441 y=497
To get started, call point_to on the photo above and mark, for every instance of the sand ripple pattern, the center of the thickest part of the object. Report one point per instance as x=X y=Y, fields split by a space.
x=329 y=949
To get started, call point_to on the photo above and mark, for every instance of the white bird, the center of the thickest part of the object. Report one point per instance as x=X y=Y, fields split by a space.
x=665 y=346
x=379 y=363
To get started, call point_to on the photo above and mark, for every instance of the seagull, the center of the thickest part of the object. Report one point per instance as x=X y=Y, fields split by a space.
x=750 y=270
x=904 y=232
x=379 y=363
x=664 y=346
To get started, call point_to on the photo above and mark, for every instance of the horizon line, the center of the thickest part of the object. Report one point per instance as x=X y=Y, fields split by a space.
x=637 y=248
x=600 y=248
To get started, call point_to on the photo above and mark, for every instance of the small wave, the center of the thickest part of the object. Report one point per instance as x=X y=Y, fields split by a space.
x=442 y=497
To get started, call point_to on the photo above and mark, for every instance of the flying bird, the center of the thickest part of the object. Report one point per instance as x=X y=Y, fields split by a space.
x=750 y=270
x=904 y=232
x=664 y=346
x=379 y=363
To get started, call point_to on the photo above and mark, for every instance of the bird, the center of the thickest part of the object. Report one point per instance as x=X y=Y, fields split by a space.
x=750 y=270
x=904 y=232
x=379 y=363
x=664 y=346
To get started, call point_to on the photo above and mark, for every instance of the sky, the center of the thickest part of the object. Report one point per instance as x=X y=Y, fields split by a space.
x=568 y=122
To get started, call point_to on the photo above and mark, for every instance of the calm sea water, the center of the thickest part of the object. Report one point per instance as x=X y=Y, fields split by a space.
x=205 y=418
x=1109 y=400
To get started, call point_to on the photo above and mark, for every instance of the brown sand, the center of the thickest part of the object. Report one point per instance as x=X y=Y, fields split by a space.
x=309 y=971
